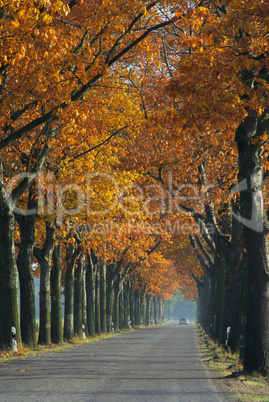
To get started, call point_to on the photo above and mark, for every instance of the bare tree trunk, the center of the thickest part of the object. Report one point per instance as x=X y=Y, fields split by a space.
x=25 y=268
x=72 y=256
x=56 y=295
x=103 y=296
x=116 y=305
x=78 y=297
x=44 y=257
x=9 y=303
x=90 y=285
x=97 y=300
x=255 y=231
x=84 y=300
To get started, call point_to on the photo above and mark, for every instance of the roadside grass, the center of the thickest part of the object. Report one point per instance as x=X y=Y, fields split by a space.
x=229 y=374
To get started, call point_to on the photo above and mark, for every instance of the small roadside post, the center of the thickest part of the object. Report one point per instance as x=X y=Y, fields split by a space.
x=14 y=342
x=83 y=332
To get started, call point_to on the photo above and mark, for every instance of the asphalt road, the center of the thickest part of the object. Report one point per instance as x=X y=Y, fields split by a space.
x=155 y=364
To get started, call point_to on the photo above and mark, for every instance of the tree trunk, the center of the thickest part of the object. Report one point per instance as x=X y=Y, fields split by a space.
x=158 y=310
x=56 y=295
x=131 y=303
x=111 y=274
x=143 y=309
x=25 y=268
x=116 y=311
x=78 y=297
x=9 y=303
x=148 y=309
x=116 y=304
x=257 y=327
x=137 y=310
x=109 y=303
x=220 y=330
x=255 y=231
x=121 y=308
x=69 y=294
x=73 y=253
x=84 y=300
x=97 y=301
x=126 y=305
x=44 y=302
x=90 y=286
x=155 y=310
x=103 y=296
x=44 y=257
x=69 y=304
x=237 y=332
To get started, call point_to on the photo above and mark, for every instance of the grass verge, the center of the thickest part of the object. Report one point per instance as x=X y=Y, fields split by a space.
x=229 y=374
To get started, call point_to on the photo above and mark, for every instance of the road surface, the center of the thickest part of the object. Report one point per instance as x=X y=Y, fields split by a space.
x=153 y=364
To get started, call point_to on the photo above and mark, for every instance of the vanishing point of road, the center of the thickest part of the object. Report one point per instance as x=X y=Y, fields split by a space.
x=154 y=364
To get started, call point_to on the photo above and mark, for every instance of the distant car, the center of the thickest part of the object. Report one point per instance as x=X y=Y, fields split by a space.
x=183 y=321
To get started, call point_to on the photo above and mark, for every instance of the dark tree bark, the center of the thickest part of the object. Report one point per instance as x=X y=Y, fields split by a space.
x=97 y=300
x=44 y=257
x=143 y=308
x=137 y=309
x=103 y=296
x=162 y=311
x=84 y=300
x=148 y=309
x=155 y=310
x=72 y=255
x=25 y=268
x=90 y=286
x=116 y=304
x=111 y=275
x=109 y=296
x=159 y=310
x=255 y=225
x=78 y=297
x=131 y=302
x=121 y=308
x=9 y=303
x=126 y=297
x=56 y=295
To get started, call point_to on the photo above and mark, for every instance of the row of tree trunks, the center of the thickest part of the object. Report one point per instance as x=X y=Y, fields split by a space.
x=131 y=307
x=239 y=286
x=94 y=293
x=9 y=302
x=220 y=303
